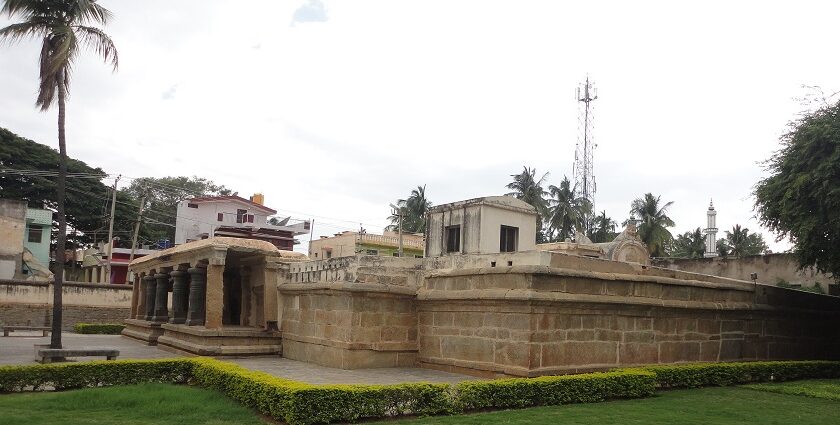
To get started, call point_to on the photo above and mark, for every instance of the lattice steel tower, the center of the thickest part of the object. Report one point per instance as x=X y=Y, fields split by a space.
x=583 y=170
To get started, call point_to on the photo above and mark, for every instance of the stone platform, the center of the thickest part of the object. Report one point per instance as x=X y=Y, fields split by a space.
x=225 y=341
x=142 y=330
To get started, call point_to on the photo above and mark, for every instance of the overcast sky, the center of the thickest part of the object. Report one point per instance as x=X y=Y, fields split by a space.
x=333 y=109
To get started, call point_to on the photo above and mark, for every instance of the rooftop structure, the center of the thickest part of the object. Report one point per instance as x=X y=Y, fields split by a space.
x=347 y=244
x=491 y=224
x=234 y=216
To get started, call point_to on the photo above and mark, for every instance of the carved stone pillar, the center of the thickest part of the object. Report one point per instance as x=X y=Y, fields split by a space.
x=180 y=296
x=245 y=307
x=214 y=296
x=150 y=285
x=198 y=288
x=161 y=298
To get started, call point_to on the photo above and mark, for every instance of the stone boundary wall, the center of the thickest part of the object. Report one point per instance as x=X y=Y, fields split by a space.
x=771 y=268
x=30 y=303
x=538 y=320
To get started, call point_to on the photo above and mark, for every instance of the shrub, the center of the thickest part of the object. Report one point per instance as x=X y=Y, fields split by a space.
x=98 y=328
x=723 y=374
x=551 y=390
x=61 y=376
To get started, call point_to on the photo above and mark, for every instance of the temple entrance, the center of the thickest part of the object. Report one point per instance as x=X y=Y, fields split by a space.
x=232 y=297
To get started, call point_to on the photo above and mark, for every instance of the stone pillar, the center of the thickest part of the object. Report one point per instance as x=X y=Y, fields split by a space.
x=180 y=296
x=135 y=291
x=150 y=287
x=271 y=277
x=161 y=298
x=198 y=288
x=94 y=275
x=214 y=302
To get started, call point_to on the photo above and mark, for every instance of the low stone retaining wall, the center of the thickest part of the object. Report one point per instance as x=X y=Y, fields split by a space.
x=30 y=303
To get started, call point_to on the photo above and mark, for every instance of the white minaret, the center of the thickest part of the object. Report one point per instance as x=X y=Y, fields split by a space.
x=711 y=231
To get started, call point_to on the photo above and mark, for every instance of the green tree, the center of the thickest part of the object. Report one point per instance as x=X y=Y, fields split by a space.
x=742 y=243
x=800 y=199
x=63 y=29
x=602 y=228
x=654 y=223
x=526 y=187
x=414 y=210
x=162 y=196
x=29 y=176
x=689 y=245
x=723 y=248
x=566 y=212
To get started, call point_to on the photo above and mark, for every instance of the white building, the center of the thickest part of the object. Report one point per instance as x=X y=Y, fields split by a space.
x=488 y=225
x=711 y=231
x=234 y=216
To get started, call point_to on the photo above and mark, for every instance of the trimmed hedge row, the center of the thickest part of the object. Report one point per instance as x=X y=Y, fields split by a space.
x=98 y=328
x=65 y=376
x=552 y=390
x=725 y=374
x=301 y=403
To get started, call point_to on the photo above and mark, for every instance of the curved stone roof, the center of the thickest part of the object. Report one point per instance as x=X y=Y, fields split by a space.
x=236 y=244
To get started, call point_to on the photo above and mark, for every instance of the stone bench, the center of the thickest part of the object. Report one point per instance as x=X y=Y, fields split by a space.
x=48 y=355
x=8 y=329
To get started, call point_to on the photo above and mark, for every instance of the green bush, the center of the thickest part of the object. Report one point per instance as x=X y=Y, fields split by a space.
x=724 y=374
x=98 y=328
x=301 y=403
x=552 y=390
x=62 y=376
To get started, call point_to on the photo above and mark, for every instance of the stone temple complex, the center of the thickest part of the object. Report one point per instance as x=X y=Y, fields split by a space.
x=485 y=300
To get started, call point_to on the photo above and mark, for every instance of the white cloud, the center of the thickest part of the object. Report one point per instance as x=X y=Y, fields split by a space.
x=311 y=11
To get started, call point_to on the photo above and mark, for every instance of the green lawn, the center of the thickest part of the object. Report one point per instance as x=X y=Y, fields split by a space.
x=169 y=404
x=127 y=405
x=706 y=406
x=821 y=388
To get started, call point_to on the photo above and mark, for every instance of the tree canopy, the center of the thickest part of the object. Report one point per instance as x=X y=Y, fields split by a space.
x=800 y=199
x=567 y=212
x=414 y=209
x=689 y=245
x=739 y=242
x=654 y=223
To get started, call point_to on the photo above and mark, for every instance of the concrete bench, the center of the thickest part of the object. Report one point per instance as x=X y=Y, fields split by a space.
x=49 y=355
x=8 y=329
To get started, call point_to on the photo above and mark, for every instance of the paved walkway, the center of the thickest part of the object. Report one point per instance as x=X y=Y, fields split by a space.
x=18 y=349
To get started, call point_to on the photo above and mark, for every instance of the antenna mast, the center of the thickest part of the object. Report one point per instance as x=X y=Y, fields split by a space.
x=583 y=171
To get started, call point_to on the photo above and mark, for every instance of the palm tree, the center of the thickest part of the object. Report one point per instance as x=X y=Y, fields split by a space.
x=414 y=211
x=528 y=188
x=566 y=213
x=742 y=243
x=654 y=223
x=689 y=245
x=63 y=29
x=602 y=228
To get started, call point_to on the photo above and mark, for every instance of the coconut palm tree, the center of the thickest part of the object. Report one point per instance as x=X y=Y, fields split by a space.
x=566 y=212
x=653 y=223
x=602 y=228
x=526 y=187
x=689 y=245
x=742 y=243
x=63 y=28
x=414 y=210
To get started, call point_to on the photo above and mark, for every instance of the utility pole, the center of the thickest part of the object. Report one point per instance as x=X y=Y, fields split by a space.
x=111 y=229
x=137 y=228
x=399 y=213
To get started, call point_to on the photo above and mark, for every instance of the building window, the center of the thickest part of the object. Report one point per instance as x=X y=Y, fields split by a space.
x=191 y=205
x=240 y=216
x=453 y=238
x=34 y=234
x=329 y=254
x=371 y=252
x=418 y=256
x=396 y=254
x=220 y=216
x=316 y=255
x=508 y=238
x=250 y=218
